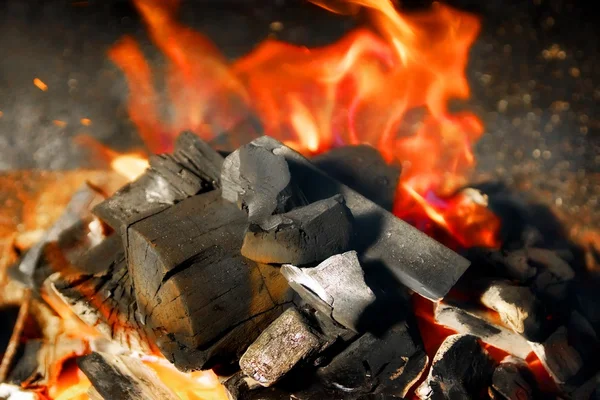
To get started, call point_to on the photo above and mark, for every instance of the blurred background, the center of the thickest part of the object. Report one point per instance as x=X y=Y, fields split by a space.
x=534 y=74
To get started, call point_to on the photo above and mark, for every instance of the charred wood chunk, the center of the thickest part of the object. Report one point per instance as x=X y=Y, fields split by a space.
x=461 y=369
x=170 y=179
x=285 y=343
x=554 y=275
x=302 y=236
x=467 y=320
x=336 y=287
x=102 y=295
x=199 y=157
x=584 y=339
x=193 y=287
x=123 y=377
x=589 y=390
x=558 y=356
x=257 y=180
x=518 y=308
x=363 y=169
x=513 y=265
x=513 y=380
x=389 y=364
x=411 y=257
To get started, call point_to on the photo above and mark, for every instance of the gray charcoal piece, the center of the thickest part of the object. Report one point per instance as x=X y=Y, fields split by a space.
x=512 y=380
x=460 y=369
x=304 y=235
x=561 y=360
x=336 y=287
x=465 y=320
x=518 y=308
x=284 y=344
x=414 y=259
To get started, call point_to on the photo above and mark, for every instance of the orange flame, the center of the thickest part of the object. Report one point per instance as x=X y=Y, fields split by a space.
x=361 y=89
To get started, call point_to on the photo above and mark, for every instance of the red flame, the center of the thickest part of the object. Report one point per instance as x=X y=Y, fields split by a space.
x=360 y=89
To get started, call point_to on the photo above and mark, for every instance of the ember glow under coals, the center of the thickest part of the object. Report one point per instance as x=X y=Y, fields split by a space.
x=361 y=89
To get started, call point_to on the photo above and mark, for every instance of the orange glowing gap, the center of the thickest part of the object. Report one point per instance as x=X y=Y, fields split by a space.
x=364 y=88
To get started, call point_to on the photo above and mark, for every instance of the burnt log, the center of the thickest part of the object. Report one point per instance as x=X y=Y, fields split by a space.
x=336 y=288
x=302 y=236
x=288 y=341
x=362 y=168
x=381 y=239
x=461 y=369
x=513 y=380
x=197 y=294
x=258 y=181
x=390 y=364
x=123 y=377
x=170 y=179
x=518 y=308
x=467 y=320
x=100 y=292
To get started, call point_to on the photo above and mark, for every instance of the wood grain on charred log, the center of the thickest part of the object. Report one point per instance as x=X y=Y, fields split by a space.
x=197 y=293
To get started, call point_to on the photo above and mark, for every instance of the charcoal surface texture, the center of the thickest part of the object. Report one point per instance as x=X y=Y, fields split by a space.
x=258 y=181
x=558 y=356
x=187 y=269
x=286 y=342
x=381 y=239
x=461 y=369
x=512 y=380
x=464 y=319
x=170 y=179
x=101 y=293
x=518 y=308
x=389 y=364
x=304 y=235
x=123 y=377
x=363 y=169
x=336 y=287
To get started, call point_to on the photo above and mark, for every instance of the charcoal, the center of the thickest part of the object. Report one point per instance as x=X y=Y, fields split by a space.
x=187 y=269
x=122 y=377
x=461 y=369
x=302 y=236
x=584 y=339
x=381 y=239
x=198 y=157
x=258 y=181
x=100 y=292
x=558 y=356
x=513 y=265
x=170 y=179
x=289 y=340
x=554 y=275
x=518 y=308
x=467 y=320
x=348 y=164
x=589 y=390
x=389 y=364
x=336 y=287
x=512 y=380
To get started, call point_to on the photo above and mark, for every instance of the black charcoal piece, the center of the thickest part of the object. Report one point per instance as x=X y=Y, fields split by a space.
x=304 y=235
x=467 y=320
x=518 y=308
x=461 y=369
x=100 y=292
x=381 y=239
x=389 y=364
x=554 y=275
x=289 y=340
x=513 y=265
x=170 y=179
x=363 y=169
x=199 y=157
x=258 y=181
x=589 y=390
x=187 y=269
x=122 y=377
x=336 y=287
x=558 y=356
x=512 y=380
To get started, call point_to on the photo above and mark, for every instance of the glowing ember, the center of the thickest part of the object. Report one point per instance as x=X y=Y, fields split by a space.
x=40 y=84
x=129 y=166
x=360 y=89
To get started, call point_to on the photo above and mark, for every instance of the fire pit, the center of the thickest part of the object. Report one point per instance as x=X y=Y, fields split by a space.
x=300 y=222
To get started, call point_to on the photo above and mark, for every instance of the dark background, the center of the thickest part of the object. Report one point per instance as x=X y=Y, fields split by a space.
x=534 y=73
